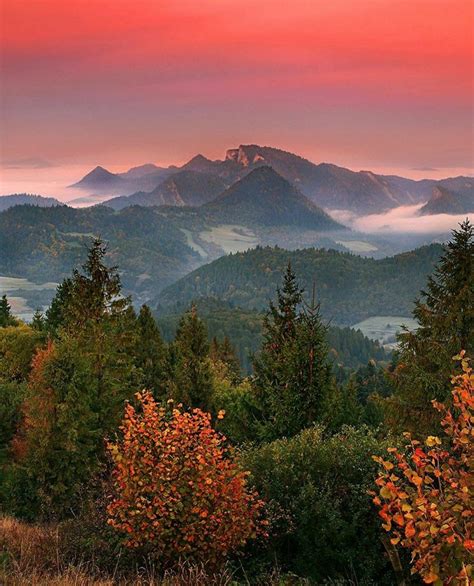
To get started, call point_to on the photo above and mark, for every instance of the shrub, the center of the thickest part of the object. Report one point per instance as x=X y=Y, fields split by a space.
x=425 y=493
x=322 y=523
x=178 y=492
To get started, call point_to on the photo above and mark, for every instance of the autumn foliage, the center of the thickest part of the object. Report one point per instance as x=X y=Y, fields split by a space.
x=178 y=492
x=425 y=493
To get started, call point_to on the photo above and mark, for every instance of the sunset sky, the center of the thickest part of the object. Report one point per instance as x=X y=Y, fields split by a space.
x=381 y=84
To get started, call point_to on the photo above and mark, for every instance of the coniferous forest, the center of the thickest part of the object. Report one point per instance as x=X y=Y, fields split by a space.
x=231 y=445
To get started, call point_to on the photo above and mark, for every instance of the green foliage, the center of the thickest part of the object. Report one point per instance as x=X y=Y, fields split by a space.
x=150 y=352
x=292 y=372
x=6 y=317
x=191 y=381
x=350 y=288
x=445 y=313
x=323 y=525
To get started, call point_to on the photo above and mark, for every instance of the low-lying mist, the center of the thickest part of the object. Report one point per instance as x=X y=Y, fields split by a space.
x=404 y=219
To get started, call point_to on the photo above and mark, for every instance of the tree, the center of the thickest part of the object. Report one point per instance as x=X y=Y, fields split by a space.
x=150 y=351
x=56 y=313
x=292 y=371
x=445 y=313
x=38 y=322
x=192 y=382
x=78 y=387
x=178 y=492
x=6 y=317
x=425 y=492
x=224 y=353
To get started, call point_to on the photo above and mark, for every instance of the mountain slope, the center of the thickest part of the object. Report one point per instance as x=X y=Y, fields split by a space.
x=447 y=201
x=149 y=249
x=8 y=201
x=264 y=197
x=184 y=188
x=350 y=288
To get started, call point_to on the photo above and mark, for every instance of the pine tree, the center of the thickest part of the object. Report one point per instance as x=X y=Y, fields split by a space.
x=38 y=322
x=6 y=317
x=292 y=371
x=225 y=354
x=150 y=351
x=57 y=311
x=445 y=313
x=192 y=375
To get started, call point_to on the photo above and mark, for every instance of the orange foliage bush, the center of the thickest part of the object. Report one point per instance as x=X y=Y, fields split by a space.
x=425 y=494
x=178 y=492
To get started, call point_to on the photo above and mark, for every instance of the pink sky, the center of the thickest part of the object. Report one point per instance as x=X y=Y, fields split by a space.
x=381 y=84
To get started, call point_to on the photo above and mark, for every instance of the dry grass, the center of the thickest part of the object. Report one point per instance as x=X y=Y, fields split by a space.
x=32 y=555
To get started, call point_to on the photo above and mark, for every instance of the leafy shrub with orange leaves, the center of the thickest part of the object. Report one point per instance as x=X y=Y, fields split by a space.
x=178 y=492
x=425 y=494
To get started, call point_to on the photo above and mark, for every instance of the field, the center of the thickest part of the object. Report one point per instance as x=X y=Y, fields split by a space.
x=384 y=328
x=231 y=238
x=25 y=296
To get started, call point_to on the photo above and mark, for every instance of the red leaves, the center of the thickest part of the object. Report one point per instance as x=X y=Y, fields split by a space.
x=177 y=488
x=426 y=500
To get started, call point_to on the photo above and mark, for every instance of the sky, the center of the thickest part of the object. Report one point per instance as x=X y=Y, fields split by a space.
x=385 y=85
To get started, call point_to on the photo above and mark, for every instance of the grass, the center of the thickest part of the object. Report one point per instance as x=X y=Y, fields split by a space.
x=35 y=555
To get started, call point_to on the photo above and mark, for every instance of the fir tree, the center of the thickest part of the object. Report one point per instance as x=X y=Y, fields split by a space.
x=292 y=371
x=150 y=351
x=445 y=313
x=57 y=311
x=192 y=376
x=6 y=317
x=38 y=322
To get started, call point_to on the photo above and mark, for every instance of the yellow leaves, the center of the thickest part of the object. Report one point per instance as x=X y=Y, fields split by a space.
x=221 y=414
x=385 y=493
x=432 y=440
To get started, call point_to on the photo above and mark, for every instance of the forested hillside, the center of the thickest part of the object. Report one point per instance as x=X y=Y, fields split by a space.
x=349 y=288
x=244 y=328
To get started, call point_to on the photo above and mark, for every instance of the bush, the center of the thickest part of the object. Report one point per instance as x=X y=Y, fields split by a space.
x=322 y=523
x=178 y=493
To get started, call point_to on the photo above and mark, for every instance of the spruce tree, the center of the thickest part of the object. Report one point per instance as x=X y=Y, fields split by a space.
x=192 y=374
x=292 y=372
x=38 y=322
x=150 y=351
x=6 y=317
x=57 y=311
x=445 y=313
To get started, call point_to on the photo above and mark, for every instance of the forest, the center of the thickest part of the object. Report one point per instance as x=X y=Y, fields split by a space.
x=138 y=447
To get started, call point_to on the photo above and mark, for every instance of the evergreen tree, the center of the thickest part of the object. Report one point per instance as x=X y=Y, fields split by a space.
x=57 y=311
x=150 y=351
x=191 y=369
x=445 y=314
x=6 y=317
x=78 y=388
x=38 y=322
x=292 y=372
x=225 y=353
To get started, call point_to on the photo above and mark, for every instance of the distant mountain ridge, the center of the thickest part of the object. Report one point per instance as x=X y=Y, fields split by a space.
x=327 y=185
x=15 y=199
x=184 y=188
x=449 y=201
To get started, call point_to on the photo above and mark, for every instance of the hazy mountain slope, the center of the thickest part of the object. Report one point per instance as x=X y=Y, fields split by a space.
x=150 y=251
x=184 y=188
x=264 y=197
x=350 y=288
x=8 y=201
x=446 y=201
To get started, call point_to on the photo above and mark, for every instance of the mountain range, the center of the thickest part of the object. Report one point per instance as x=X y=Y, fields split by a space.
x=327 y=185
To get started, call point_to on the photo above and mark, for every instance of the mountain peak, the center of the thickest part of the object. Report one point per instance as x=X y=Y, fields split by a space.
x=265 y=197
